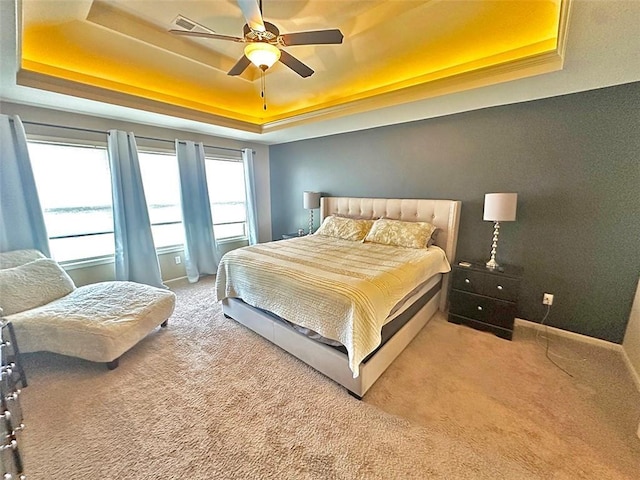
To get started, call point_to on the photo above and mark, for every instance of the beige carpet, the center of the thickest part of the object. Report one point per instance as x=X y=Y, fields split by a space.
x=207 y=399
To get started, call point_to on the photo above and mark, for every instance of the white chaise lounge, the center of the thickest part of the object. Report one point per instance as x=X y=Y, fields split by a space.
x=97 y=322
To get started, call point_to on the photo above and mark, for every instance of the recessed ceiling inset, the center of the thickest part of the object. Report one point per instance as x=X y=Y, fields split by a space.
x=121 y=52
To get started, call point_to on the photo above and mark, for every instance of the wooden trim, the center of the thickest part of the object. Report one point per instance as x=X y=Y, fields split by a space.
x=519 y=322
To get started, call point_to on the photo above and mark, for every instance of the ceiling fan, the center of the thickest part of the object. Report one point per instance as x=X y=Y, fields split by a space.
x=264 y=40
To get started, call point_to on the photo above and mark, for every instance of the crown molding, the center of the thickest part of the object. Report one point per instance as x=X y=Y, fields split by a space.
x=42 y=81
x=514 y=70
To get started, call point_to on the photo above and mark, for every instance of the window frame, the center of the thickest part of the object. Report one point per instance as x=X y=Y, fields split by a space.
x=153 y=148
x=84 y=262
x=177 y=246
x=76 y=143
x=237 y=238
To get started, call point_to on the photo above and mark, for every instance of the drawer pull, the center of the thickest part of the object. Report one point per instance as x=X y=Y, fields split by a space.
x=499 y=287
x=11 y=445
x=466 y=280
x=479 y=308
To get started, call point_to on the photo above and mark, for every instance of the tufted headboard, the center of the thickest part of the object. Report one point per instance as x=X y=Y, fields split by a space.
x=444 y=214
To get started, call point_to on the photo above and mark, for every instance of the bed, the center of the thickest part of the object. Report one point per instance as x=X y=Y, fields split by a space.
x=329 y=281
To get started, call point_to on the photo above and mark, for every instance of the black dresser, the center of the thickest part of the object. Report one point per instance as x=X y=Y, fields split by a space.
x=485 y=298
x=12 y=377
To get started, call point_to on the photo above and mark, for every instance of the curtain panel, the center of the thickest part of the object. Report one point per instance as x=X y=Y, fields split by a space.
x=201 y=256
x=21 y=219
x=135 y=259
x=250 y=193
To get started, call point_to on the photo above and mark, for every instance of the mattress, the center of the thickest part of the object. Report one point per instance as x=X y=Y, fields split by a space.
x=424 y=290
x=340 y=289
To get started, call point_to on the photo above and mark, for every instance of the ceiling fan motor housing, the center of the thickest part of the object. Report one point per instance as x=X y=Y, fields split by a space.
x=270 y=35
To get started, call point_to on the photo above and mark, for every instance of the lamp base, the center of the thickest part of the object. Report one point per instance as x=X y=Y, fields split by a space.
x=494 y=247
x=492 y=263
x=310 y=221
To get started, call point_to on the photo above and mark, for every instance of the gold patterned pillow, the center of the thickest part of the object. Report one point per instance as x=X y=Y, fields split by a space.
x=400 y=234
x=345 y=228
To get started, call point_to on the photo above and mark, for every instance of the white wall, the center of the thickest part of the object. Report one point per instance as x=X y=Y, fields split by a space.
x=631 y=343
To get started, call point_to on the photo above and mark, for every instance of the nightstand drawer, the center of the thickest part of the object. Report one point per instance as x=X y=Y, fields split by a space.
x=468 y=280
x=495 y=286
x=483 y=309
x=501 y=287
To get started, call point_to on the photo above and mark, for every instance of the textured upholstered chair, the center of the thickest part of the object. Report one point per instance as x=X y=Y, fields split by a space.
x=97 y=322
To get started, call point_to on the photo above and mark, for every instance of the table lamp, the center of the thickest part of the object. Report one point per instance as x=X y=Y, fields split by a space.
x=499 y=207
x=311 y=201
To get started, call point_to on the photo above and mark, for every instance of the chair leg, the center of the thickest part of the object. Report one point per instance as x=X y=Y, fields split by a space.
x=165 y=323
x=113 y=364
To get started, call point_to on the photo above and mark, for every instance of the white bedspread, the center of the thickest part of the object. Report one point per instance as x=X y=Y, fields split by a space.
x=341 y=289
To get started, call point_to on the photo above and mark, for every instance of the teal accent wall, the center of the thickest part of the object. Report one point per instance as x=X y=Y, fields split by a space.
x=574 y=161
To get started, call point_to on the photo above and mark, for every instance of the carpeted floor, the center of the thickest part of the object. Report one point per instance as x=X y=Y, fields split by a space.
x=207 y=399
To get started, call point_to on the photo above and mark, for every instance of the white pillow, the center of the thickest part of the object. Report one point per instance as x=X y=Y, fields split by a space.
x=18 y=257
x=32 y=285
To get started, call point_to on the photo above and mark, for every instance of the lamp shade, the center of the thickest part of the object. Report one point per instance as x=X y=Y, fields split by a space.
x=262 y=55
x=500 y=207
x=311 y=200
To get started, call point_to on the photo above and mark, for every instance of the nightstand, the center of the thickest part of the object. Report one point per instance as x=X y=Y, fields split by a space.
x=286 y=236
x=485 y=298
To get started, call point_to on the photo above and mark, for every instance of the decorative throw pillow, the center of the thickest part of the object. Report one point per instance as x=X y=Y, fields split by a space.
x=400 y=234
x=32 y=285
x=18 y=257
x=345 y=228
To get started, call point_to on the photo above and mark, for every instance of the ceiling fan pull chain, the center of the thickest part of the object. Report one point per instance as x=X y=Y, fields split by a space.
x=263 y=86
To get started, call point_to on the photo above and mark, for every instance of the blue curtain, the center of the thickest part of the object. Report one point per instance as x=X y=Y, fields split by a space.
x=21 y=219
x=136 y=259
x=200 y=249
x=250 y=193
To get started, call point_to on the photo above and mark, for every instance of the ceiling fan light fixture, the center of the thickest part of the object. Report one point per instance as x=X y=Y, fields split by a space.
x=262 y=55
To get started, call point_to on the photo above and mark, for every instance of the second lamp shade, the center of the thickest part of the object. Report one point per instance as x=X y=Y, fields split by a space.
x=500 y=207
x=311 y=200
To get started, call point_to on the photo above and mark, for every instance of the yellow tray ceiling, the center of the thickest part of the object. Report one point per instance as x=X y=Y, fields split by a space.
x=393 y=51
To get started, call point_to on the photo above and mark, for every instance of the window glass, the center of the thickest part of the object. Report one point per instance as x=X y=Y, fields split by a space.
x=74 y=187
x=225 y=181
x=161 y=180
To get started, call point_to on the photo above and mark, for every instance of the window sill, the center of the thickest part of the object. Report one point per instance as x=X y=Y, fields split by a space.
x=107 y=259
x=86 y=262
x=227 y=241
x=169 y=249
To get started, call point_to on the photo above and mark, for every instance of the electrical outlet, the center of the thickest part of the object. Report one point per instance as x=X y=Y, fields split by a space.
x=178 y=259
x=547 y=299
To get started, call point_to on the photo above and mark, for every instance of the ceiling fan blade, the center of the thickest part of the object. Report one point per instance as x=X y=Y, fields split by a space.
x=215 y=36
x=253 y=15
x=318 y=37
x=240 y=66
x=294 y=64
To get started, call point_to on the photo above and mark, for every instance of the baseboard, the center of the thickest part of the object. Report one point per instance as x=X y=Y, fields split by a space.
x=565 y=333
x=519 y=322
x=173 y=281
x=634 y=374
x=168 y=283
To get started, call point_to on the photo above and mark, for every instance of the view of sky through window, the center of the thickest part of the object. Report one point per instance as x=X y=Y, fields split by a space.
x=74 y=187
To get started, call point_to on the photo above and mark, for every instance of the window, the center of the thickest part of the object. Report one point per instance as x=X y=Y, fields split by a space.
x=225 y=182
x=161 y=180
x=74 y=187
